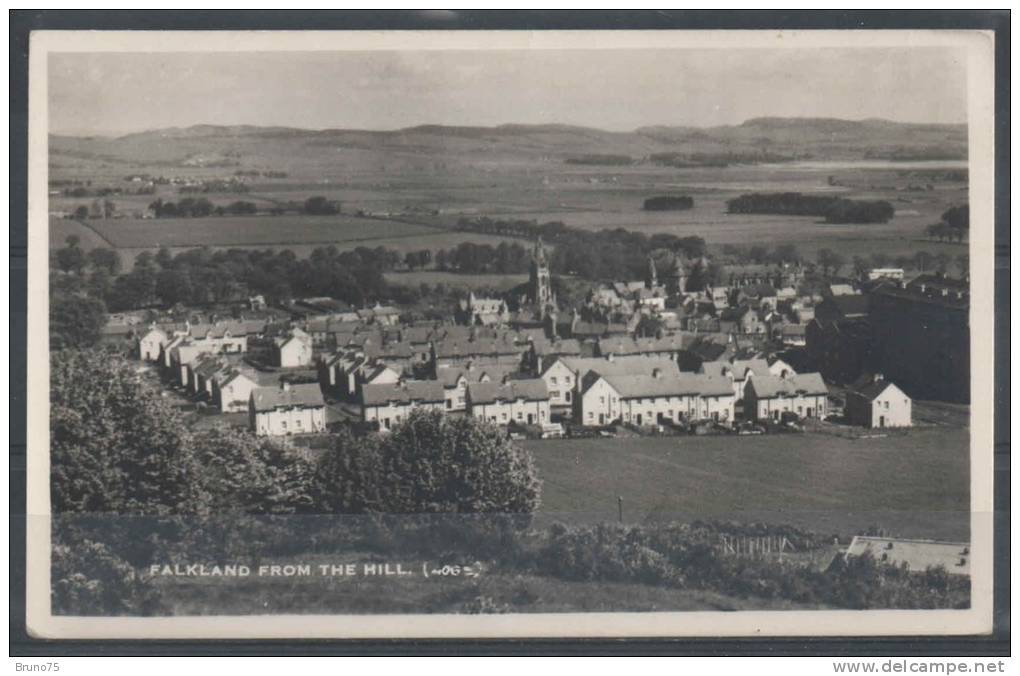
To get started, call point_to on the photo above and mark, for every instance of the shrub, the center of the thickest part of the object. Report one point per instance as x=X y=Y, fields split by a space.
x=88 y=579
x=430 y=464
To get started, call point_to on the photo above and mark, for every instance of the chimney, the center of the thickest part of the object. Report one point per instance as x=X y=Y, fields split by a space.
x=656 y=373
x=878 y=377
x=610 y=357
x=285 y=385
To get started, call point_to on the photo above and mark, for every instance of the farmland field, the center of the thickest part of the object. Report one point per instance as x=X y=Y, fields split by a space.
x=132 y=237
x=913 y=485
x=250 y=230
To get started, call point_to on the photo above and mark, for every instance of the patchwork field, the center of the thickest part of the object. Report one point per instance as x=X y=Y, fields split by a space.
x=913 y=485
x=436 y=176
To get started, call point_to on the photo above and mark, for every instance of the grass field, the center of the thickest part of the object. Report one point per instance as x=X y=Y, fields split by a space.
x=130 y=238
x=913 y=485
x=251 y=230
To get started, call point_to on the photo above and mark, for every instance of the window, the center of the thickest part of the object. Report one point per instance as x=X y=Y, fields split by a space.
x=449 y=403
x=283 y=424
x=297 y=423
x=590 y=415
x=553 y=380
x=602 y=400
x=887 y=405
x=567 y=380
x=504 y=416
x=520 y=415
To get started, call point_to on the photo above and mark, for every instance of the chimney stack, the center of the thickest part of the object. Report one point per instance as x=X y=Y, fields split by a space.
x=285 y=385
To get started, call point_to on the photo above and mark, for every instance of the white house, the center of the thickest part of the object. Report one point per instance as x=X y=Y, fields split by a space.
x=521 y=401
x=655 y=399
x=150 y=345
x=768 y=397
x=564 y=375
x=456 y=380
x=287 y=409
x=294 y=349
x=739 y=371
x=233 y=389
x=390 y=404
x=877 y=402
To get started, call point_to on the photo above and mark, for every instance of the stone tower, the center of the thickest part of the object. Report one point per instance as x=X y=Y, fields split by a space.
x=652 y=280
x=677 y=277
x=539 y=282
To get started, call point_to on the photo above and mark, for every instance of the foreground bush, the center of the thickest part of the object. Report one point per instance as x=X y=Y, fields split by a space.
x=430 y=464
x=88 y=579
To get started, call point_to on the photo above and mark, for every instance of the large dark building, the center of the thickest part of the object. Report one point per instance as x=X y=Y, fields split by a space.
x=922 y=336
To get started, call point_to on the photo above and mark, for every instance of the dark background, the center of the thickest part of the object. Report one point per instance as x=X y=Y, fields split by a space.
x=22 y=22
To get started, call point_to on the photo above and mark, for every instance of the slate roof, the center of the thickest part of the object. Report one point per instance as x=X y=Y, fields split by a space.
x=738 y=368
x=766 y=387
x=625 y=365
x=869 y=387
x=305 y=395
x=850 y=305
x=427 y=391
x=642 y=386
x=628 y=346
x=496 y=372
x=531 y=389
x=476 y=347
x=567 y=346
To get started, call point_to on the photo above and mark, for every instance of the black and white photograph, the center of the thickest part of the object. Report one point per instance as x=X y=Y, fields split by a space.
x=500 y=334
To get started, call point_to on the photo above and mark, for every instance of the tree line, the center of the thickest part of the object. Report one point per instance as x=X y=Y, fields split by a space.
x=833 y=209
x=591 y=254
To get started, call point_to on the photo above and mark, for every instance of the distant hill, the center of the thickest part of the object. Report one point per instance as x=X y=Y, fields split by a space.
x=764 y=137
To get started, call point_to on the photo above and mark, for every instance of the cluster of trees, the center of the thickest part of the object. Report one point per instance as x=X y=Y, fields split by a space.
x=98 y=209
x=616 y=254
x=955 y=225
x=318 y=205
x=188 y=207
x=119 y=448
x=599 y=254
x=833 y=209
x=84 y=286
x=682 y=160
x=668 y=203
x=831 y=262
x=471 y=258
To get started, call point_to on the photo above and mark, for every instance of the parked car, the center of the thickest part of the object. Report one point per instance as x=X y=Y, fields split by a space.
x=552 y=431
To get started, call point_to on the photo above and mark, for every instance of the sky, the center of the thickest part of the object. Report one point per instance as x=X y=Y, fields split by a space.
x=620 y=90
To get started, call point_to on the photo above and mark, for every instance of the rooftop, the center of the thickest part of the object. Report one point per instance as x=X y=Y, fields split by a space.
x=305 y=395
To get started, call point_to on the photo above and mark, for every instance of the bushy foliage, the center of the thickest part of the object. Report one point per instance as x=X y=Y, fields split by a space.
x=88 y=579
x=76 y=321
x=115 y=445
x=430 y=464
x=689 y=555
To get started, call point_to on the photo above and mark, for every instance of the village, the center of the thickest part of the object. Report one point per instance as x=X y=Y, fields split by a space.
x=650 y=356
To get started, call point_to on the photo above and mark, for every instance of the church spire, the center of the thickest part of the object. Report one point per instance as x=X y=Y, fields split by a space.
x=653 y=277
